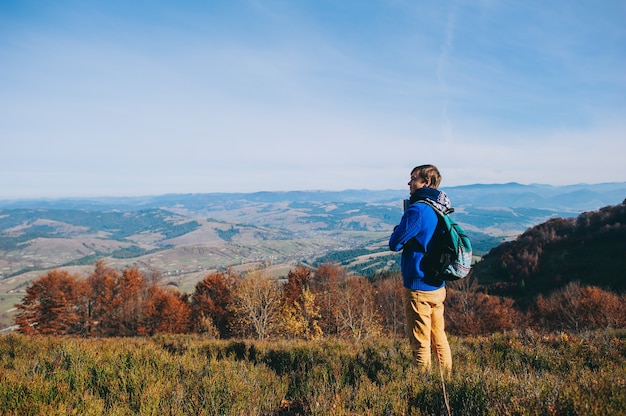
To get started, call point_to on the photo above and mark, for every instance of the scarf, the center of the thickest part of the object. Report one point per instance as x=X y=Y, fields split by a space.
x=438 y=198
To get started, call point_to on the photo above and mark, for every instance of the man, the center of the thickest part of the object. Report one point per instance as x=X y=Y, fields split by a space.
x=423 y=294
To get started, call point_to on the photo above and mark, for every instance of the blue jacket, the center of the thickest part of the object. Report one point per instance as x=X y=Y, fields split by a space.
x=413 y=235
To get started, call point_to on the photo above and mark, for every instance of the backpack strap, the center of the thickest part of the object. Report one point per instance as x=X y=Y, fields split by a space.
x=434 y=206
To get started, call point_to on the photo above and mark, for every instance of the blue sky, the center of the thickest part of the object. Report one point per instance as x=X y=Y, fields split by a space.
x=121 y=98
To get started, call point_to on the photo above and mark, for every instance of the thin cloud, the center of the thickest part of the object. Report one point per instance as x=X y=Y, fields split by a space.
x=111 y=98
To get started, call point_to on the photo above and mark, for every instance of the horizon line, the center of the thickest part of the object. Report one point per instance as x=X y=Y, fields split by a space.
x=149 y=195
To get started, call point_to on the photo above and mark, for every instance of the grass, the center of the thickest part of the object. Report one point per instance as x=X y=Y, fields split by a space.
x=503 y=374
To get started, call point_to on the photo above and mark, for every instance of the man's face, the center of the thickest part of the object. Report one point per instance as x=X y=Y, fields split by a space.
x=415 y=183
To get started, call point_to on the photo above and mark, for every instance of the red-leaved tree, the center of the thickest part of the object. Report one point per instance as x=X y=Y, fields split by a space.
x=54 y=305
x=210 y=304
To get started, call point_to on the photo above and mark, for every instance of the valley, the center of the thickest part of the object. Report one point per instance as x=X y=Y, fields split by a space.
x=178 y=239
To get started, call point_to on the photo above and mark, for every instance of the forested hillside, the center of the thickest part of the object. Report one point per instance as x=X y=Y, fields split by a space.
x=590 y=249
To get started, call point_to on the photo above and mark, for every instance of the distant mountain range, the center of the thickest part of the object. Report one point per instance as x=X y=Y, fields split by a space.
x=570 y=198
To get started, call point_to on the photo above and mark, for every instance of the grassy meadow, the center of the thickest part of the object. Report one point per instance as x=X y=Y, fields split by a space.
x=502 y=374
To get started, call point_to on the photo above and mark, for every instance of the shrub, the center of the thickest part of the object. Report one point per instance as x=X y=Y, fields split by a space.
x=580 y=308
x=505 y=373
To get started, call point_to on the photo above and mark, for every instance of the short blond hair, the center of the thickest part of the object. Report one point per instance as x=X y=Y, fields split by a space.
x=429 y=174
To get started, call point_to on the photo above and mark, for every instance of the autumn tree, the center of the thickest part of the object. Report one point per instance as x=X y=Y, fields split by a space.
x=297 y=280
x=300 y=314
x=210 y=304
x=357 y=311
x=105 y=304
x=131 y=295
x=102 y=284
x=390 y=300
x=256 y=305
x=165 y=311
x=326 y=285
x=55 y=304
x=121 y=306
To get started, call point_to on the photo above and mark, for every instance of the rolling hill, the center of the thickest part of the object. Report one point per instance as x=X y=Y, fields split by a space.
x=181 y=237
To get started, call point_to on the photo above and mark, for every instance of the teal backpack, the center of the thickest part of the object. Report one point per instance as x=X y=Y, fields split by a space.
x=450 y=253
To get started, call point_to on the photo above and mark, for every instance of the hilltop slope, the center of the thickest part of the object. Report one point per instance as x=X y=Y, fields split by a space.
x=590 y=249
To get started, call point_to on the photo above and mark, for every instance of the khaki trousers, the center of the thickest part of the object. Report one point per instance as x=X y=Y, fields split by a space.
x=425 y=325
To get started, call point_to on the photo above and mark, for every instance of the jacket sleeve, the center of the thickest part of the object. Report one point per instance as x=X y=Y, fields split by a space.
x=406 y=230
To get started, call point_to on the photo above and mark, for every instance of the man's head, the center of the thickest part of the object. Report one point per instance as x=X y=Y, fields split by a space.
x=424 y=175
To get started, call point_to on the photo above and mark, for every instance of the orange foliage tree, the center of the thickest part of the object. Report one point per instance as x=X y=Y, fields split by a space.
x=165 y=311
x=53 y=305
x=210 y=304
x=326 y=285
x=297 y=280
x=125 y=312
x=104 y=304
x=102 y=285
x=116 y=302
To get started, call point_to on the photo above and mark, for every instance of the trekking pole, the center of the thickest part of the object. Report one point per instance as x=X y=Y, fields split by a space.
x=445 y=395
